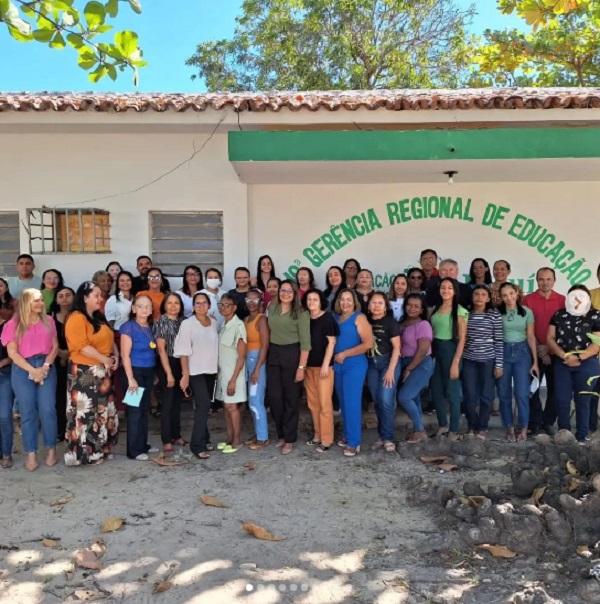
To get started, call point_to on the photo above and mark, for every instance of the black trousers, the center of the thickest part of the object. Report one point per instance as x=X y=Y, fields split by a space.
x=170 y=418
x=283 y=392
x=546 y=418
x=137 y=417
x=202 y=386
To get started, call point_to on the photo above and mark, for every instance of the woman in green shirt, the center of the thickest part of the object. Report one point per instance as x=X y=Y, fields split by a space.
x=289 y=346
x=52 y=281
x=449 y=324
x=520 y=359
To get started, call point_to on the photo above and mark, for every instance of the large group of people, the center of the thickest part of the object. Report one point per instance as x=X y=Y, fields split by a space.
x=76 y=361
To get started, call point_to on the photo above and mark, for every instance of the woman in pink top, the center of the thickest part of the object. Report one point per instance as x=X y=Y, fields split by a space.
x=30 y=338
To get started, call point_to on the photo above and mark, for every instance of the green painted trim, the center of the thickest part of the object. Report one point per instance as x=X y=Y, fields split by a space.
x=378 y=145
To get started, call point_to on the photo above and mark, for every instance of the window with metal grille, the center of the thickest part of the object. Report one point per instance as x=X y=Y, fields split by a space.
x=9 y=242
x=182 y=238
x=68 y=230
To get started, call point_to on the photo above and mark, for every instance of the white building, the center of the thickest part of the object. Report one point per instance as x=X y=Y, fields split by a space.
x=310 y=178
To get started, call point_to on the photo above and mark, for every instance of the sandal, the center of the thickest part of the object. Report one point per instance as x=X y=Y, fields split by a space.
x=510 y=435
x=342 y=443
x=417 y=437
x=167 y=449
x=202 y=455
x=259 y=444
x=522 y=435
x=221 y=446
x=280 y=443
x=181 y=442
x=454 y=437
x=230 y=449
x=312 y=442
x=250 y=441
x=287 y=448
x=482 y=435
x=378 y=444
x=442 y=431
x=351 y=451
x=389 y=446
x=322 y=448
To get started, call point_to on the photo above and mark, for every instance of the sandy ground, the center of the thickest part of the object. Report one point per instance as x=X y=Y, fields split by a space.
x=350 y=535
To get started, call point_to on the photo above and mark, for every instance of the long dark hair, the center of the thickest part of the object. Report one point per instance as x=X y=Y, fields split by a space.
x=7 y=301
x=419 y=297
x=163 y=287
x=454 y=311
x=392 y=293
x=329 y=287
x=61 y=281
x=97 y=320
x=296 y=308
x=262 y=285
x=311 y=277
x=502 y=305
x=489 y=306
x=118 y=289
x=54 y=307
x=163 y=304
x=488 y=274
x=185 y=288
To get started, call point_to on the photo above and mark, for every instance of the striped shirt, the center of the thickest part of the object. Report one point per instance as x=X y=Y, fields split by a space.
x=485 y=338
x=167 y=329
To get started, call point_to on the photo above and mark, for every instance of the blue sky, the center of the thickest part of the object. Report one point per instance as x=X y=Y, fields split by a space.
x=169 y=32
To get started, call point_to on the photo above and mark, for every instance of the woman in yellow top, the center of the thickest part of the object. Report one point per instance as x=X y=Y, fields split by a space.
x=92 y=421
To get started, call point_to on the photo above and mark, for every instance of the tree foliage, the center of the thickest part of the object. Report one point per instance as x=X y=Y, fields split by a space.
x=61 y=23
x=338 y=44
x=562 y=47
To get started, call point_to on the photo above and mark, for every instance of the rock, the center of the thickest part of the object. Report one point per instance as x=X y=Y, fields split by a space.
x=523 y=534
x=543 y=439
x=557 y=526
x=472 y=488
x=525 y=481
x=570 y=504
x=460 y=510
x=590 y=591
x=564 y=437
x=495 y=492
x=484 y=509
x=488 y=530
x=532 y=510
x=533 y=595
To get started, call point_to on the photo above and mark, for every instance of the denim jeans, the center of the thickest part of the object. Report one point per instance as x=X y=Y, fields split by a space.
x=515 y=381
x=6 y=407
x=409 y=392
x=442 y=387
x=137 y=417
x=384 y=397
x=37 y=403
x=569 y=382
x=479 y=390
x=256 y=401
x=545 y=417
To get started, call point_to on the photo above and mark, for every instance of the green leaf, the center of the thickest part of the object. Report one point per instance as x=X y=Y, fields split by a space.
x=75 y=40
x=112 y=7
x=18 y=34
x=4 y=4
x=18 y=28
x=98 y=74
x=58 y=41
x=127 y=42
x=102 y=29
x=43 y=35
x=112 y=72
x=87 y=58
x=94 y=14
x=136 y=6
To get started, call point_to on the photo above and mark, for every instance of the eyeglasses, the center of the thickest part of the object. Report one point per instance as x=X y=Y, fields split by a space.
x=154 y=277
x=201 y=303
x=286 y=291
x=252 y=301
x=225 y=304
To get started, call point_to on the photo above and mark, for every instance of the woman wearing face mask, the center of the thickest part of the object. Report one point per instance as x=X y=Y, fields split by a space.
x=138 y=352
x=92 y=421
x=364 y=288
x=398 y=291
x=520 y=361
x=351 y=268
x=192 y=283
x=571 y=339
x=52 y=281
x=257 y=330
x=61 y=307
x=384 y=369
x=335 y=280
x=214 y=292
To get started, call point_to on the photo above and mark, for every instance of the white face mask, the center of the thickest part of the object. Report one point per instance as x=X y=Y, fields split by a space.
x=578 y=303
x=213 y=283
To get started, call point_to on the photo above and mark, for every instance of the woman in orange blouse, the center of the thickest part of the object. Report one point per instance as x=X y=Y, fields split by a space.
x=155 y=291
x=92 y=421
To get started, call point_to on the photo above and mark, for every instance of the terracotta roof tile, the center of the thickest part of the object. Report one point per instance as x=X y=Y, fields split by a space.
x=392 y=100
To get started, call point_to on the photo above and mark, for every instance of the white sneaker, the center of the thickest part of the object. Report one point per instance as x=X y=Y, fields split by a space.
x=142 y=457
x=153 y=450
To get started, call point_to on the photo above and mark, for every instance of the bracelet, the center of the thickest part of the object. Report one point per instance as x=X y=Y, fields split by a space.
x=301 y=367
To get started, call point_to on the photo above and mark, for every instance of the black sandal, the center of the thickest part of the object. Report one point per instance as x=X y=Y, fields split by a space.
x=322 y=448
x=202 y=455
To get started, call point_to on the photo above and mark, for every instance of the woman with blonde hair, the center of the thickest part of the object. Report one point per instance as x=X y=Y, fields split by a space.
x=30 y=338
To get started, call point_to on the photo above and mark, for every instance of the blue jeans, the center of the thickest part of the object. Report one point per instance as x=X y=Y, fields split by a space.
x=256 y=401
x=409 y=392
x=515 y=380
x=568 y=383
x=37 y=403
x=479 y=390
x=6 y=407
x=349 y=381
x=137 y=417
x=385 y=398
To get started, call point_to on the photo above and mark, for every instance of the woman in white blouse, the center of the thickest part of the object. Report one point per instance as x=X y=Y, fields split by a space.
x=118 y=306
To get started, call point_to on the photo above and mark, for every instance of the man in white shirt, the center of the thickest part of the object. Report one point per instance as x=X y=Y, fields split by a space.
x=25 y=277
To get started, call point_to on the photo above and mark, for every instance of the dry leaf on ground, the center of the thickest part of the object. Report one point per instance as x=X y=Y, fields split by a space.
x=448 y=467
x=536 y=496
x=476 y=500
x=260 y=532
x=169 y=463
x=584 y=551
x=111 y=524
x=161 y=586
x=211 y=501
x=51 y=543
x=250 y=465
x=98 y=547
x=434 y=458
x=572 y=468
x=86 y=558
x=574 y=484
x=61 y=500
x=498 y=551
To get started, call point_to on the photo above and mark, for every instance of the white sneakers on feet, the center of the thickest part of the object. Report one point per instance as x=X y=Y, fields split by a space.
x=153 y=450
x=142 y=457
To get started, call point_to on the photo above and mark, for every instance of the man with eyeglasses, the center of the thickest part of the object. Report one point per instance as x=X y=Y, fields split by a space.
x=242 y=287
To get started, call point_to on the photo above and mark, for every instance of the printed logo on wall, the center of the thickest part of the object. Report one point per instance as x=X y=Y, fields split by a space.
x=552 y=249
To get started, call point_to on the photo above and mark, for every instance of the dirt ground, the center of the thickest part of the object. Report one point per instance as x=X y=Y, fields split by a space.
x=350 y=533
